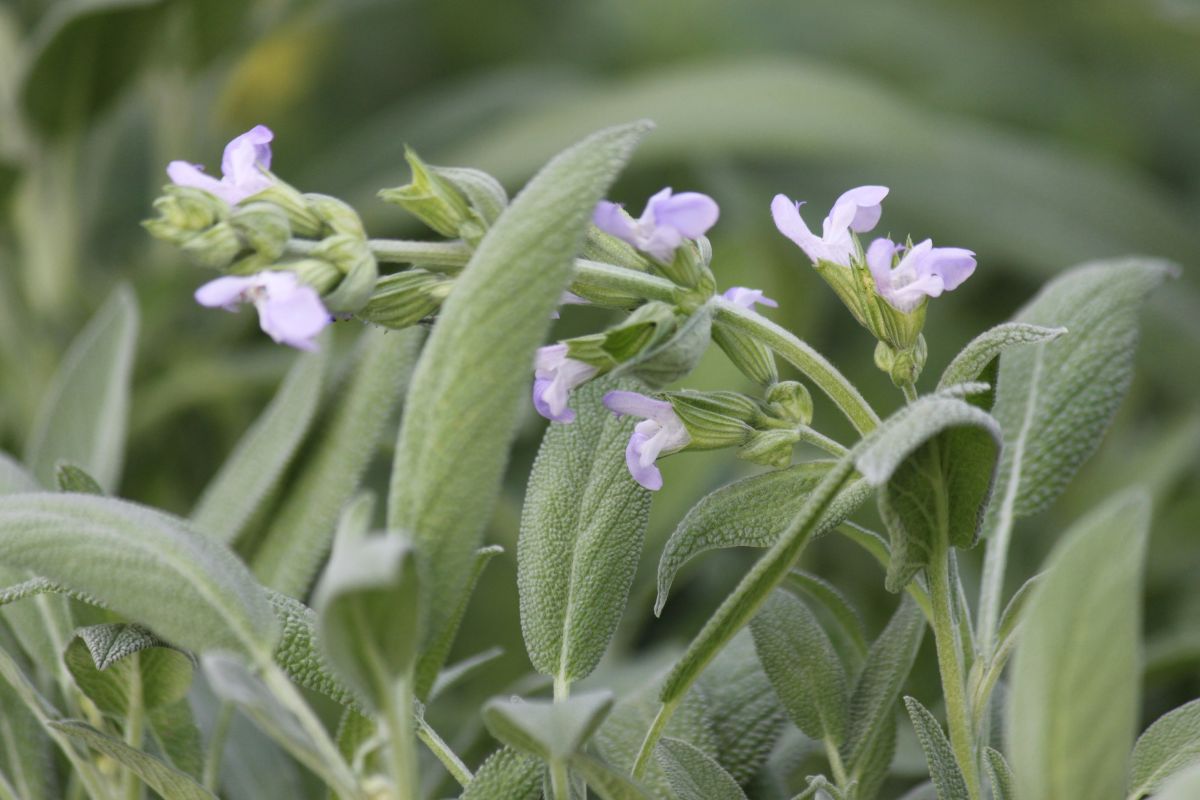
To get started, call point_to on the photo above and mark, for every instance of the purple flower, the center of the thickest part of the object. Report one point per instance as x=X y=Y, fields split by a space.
x=554 y=377
x=568 y=299
x=857 y=210
x=290 y=312
x=666 y=222
x=746 y=298
x=924 y=271
x=243 y=168
x=661 y=432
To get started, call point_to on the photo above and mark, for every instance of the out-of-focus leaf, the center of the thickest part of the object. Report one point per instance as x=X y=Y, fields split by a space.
x=509 y=774
x=103 y=660
x=1170 y=745
x=1183 y=786
x=175 y=732
x=606 y=781
x=1072 y=707
x=85 y=411
x=552 y=731
x=694 y=775
x=71 y=478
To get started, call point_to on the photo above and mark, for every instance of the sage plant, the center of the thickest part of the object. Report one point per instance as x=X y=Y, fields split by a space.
x=114 y=611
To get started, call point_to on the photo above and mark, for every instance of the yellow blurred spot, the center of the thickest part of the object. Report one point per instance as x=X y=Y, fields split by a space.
x=276 y=74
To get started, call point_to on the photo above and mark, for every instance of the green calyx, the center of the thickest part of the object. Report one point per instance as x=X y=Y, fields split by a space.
x=855 y=286
x=406 y=298
x=436 y=201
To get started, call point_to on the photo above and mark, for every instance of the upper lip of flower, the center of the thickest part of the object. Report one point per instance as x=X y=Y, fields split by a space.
x=243 y=166
x=923 y=271
x=667 y=220
x=856 y=210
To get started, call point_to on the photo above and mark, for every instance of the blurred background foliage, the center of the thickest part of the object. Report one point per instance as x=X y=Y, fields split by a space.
x=1038 y=134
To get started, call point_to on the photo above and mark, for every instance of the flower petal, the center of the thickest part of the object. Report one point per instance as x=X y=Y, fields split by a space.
x=747 y=298
x=880 y=255
x=612 y=219
x=246 y=153
x=866 y=203
x=183 y=173
x=690 y=213
x=542 y=386
x=648 y=476
x=292 y=317
x=224 y=292
x=634 y=404
x=953 y=264
x=786 y=215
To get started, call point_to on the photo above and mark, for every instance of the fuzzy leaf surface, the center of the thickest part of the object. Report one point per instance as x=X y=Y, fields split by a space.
x=581 y=536
x=548 y=730
x=102 y=660
x=974 y=359
x=694 y=775
x=509 y=774
x=1073 y=702
x=464 y=401
x=943 y=769
x=1170 y=745
x=85 y=412
x=999 y=774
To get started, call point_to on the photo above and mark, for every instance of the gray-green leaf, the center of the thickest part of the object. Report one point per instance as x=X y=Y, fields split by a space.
x=803 y=667
x=464 y=403
x=1073 y=701
x=581 y=537
x=980 y=352
x=71 y=478
x=85 y=412
x=1004 y=785
x=607 y=782
x=508 y=774
x=159 y=776
x=103 y=659
x=552 y=731
x=1170 y=745
x=694 y=775
x=943 y=769
x=1183 y=786
x=750 y=513
x=677 y=356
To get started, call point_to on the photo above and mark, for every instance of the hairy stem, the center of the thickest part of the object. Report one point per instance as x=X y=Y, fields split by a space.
x=665 y=711
x=402 y=751
x=835 y=763
x=560 y=786
x=450 y=760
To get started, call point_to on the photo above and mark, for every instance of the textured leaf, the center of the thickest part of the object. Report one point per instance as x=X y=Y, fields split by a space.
x=264 y=451
x=804 y=669
x=143 y=564
x=581 y=537
x=552 y=731
x=934 y=462
x=85 y=411
x=1074 y=693
x=70 y=478
x=302 y=527
x=973 y=360
x=1054 y=400
x=508 y=774
x=1170 y=745
x=943 y=769
x=693 y=775
x=367 y=613
x=103 y=660
x=429 y=665
x=297 y=652
x=999 y=775
x=463 y=406
x=741 y=708
x=608 y=783
x=750 y=513
x=873 y=703
x=159 y=776
x=178 y=738
x=849 y=635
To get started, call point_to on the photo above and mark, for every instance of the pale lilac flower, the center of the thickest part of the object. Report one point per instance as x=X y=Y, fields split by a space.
x=666 y=222
x=924 y=271
x=242 y=168
x=289 y=312
x=747 y=298
x=857 y=210
x=554 y=377
x=568 y=299
x=660 y=432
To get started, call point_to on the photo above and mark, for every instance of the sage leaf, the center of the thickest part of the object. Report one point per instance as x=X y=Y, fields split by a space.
x=872 y=705
x=1054 y=400
x=943 y=769
x=85 y=412
x=464 y=402
x=1169 y=746
x=143 y=564
x=264 y=451
x=508 y=774
x=460 y=670
x=693 y=775
x=999 y=774
x=367 y=614
x=552 y=731
x=70 y=478
x=933 y=463
x=803 y=667
x=581 y=536
x=1183 y=786
x=299 y=656
x=849 y=635
x=302 y=527
x=178 y=739
x=975 y=361
x=750 y=513
x=106 y=661
x=24 y=751
x=1073 y=701
x=158 y=775
x=429 y=664
x=608 y=783
x=741 y=709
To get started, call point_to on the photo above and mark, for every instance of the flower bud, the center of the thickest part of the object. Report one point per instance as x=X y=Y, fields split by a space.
x=648 y=325
x=484 y=193
x=303 y=221
x=432 y=199
x=791 y=401
x=772 y=448
x=902 y=366
x=405 y=298
x=688 y=267
x=603 y=246
x=216 y=247
x=320 y=275
x=335 y=215
x=263 y=227
x=752 y=357
x=715 y=419
x=351 y=256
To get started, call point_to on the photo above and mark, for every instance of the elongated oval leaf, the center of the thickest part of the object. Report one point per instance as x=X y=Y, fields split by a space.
x=86 y=409
x=693 y=774
x=463 y=406
x=509 y=774
x=1055 y=400
x=581 y=537
x=973 y=360
x=849 y=635
x=302 y=527
x=550 y=730
x=943 y=769
x=1004 y=786
x=1170 y=745
x=804 y=669
x=1074 y=693
x=142 y=564
x=607 y=782
x=750 y=513
x=263 y=452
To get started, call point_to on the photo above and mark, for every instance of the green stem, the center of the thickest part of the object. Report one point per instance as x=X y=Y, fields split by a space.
x=450 y=760
x=835 y=763
x=822 y=441
x=560 y=785
x=216 y=746
x=949 y=655
x=402 y=750
x=804 y=358
x=562 y=688
x=665 y=711
x=134 y=726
